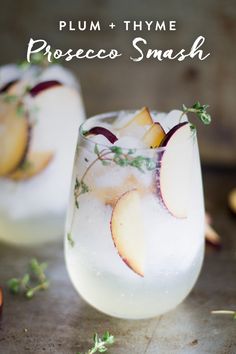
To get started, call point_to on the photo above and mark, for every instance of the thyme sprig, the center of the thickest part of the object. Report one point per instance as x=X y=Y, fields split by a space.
x=116 y=155
x=100 y=344
x=39 y=59
x=199 y=110
x=20 y=107
x=70 y=239
x=31 y=282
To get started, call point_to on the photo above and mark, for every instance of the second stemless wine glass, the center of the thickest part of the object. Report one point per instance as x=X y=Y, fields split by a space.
x=127 y=255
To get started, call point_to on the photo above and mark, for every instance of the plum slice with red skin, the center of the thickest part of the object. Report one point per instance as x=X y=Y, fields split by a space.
x=103 y=131
x=43 y=86
x=5 y=88
x=1 y=300
x=174 y=174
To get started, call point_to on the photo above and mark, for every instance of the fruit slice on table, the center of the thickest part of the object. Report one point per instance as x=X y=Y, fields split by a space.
x=232 y=200
x=103 y=131
x=175 y=170
x=34 y=163
x=128 y=232
x=14 y=136
x=43 y=86
x=143 y=117
x=1 y=300
x=154 y=136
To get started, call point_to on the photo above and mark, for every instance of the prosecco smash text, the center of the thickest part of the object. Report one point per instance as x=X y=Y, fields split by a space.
x=141 y=48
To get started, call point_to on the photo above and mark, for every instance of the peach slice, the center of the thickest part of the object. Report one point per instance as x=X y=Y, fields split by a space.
x=34 y=163
x=154 y=136
x=128 y=232
x=143 y=117
x=7 y=86
x=14 y=136
x=18 y=88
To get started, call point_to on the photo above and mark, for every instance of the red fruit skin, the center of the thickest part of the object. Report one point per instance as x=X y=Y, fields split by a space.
x=103 y=131
x=34 y=91
x=170 y=133
x=7 y=86
x=1 y=301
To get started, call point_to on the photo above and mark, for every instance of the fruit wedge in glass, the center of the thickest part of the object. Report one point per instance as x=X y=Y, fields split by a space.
x=134 y=239
x=40 y=112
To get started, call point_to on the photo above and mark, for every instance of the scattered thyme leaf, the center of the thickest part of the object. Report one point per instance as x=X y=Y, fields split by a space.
x=100 y=344
x=199 y=110
x=31 y=282
x=70 y=239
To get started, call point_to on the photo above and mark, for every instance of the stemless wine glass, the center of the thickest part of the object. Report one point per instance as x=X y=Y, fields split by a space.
x=127 y=253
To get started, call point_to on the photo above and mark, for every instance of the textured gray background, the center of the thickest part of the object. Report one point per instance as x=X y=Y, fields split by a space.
x=110 y=85
x=58 y=321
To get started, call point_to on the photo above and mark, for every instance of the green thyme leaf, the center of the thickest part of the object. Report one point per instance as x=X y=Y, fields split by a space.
x=10 y=98
x=199 y=110
x=70 y=239
x=117 y=150
x=31 y=282
x=20 y=110
x=100 y=344
x=96 y=151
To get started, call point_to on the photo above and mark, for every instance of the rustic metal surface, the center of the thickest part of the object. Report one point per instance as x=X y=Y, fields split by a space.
x=58 y=321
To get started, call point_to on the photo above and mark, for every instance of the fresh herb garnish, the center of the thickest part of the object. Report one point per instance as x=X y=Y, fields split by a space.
x=80 y=188
x=37 y=59
x=225 y=312
x=100 y=344
x=199 y=110
x=116 y=155
x=9 y=98
x=31 y=282
x=70 y=239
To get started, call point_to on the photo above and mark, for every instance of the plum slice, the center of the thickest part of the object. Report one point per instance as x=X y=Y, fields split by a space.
x=43 y=86
x=128 y=231
x=154 y=136
x=143 y=117
x=174 y=174
x=1 y=300
x=14 y=137
x=103 y=131
x=34 y=163
x=6 y=87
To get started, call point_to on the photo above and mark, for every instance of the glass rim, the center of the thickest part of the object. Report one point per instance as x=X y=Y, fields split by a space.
x=114 y=114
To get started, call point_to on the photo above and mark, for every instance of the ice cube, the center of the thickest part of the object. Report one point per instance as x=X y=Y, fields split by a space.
x=8 y=73
x=122 y=119
x=130 y=142
x=100 y=140
x=172 y=119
